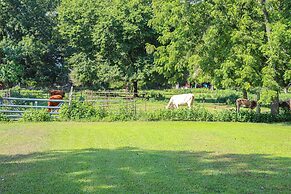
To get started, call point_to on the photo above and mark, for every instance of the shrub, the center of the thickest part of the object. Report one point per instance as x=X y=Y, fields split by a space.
x=101 y=113
x=78 y=111
x=3 y=117
x=154 y=95
x=36 y=115
x=124 y=113
x=194 y=114
x=201 y=114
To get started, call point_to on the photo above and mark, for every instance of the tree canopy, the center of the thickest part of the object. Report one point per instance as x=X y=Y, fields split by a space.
x=30 y=45
x=150 y=43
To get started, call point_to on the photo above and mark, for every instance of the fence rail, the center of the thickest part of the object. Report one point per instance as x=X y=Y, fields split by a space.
x=15 y=111
x=33 y=99
x=14 y=107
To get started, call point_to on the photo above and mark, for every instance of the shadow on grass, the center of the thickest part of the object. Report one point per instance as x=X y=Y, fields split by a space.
x=132 y=170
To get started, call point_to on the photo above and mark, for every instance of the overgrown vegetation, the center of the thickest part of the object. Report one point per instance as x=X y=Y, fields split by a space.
x=3 y=117
x=78 y=111
x=243 y=45
x=124 y=111
x=201 y=114
x=87 y=112
x=35 y=115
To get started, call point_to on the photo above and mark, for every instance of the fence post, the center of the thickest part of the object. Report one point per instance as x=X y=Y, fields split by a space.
x=70 y=96
x=134 y=107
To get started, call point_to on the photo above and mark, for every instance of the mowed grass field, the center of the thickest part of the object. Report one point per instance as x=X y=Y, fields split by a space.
x=145 y=157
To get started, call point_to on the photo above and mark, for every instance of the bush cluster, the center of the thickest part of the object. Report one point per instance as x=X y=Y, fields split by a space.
x=124 y=113
x=78 y=111
x=3 y=117
x=87 y=112
x=36 y=115
x=201 y=114
x=194 y=114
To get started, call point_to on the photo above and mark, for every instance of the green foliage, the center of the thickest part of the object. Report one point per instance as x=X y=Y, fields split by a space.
x=201 y=114
x=86 y=111
x=106 y=37
x=10 y=67
x=194 y=114
x=30 y=47
x=78 y=111
x=35 y=115
x=101 y=113
x=124 y=113
x=3 y=117
x=225 y=41
x=154 y=95
x=201 y=95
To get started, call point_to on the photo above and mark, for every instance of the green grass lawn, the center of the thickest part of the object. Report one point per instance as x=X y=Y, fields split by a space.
x=144 y=157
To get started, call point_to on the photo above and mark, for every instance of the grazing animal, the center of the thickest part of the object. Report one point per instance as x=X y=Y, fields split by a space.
x=182 y=99
x=54 y=97
x=241 y=102
x=57 y=92
x=285 y=104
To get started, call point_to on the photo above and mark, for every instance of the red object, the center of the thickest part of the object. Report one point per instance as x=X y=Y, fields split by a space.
x=57 y=92
x=54 y=97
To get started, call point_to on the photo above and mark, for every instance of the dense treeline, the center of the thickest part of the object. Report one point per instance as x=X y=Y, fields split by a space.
x=147 y=43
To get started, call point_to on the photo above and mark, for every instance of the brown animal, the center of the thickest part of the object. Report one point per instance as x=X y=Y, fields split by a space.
x=54 y=97
x=241 y=102
x=57 y=92
x=285 y=104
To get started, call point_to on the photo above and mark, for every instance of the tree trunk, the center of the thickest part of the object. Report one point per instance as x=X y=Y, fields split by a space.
x=266 y=18
x=258 y=110
x=275 y=105
x=127 y=87
x=245 y=94
x=135 y=92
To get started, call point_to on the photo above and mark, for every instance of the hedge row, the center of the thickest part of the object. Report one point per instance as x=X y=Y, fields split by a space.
x=87 y=112
x=201 y=114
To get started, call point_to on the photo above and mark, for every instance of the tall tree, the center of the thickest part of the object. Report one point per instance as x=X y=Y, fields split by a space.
x=239 y=44
x=114 y=33
x=277 y=73
x=180 y=25
x=30 y=47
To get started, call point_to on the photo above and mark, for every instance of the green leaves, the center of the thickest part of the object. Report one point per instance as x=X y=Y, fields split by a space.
x=30 y=45
x=238 y=44
x=226 y=40
x=113 y=36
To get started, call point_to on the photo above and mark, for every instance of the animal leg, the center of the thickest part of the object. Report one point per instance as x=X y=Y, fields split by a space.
x=169 y=105
x=189 y=105
x=237 y=108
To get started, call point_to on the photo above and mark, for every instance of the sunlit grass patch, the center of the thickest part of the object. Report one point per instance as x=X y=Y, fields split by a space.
x=143 y=157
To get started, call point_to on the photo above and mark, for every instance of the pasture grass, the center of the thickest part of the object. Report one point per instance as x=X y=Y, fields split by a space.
x=151 y=106
x=144 y=157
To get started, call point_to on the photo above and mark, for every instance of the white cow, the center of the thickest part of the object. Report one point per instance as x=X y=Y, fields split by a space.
x=182 y=99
